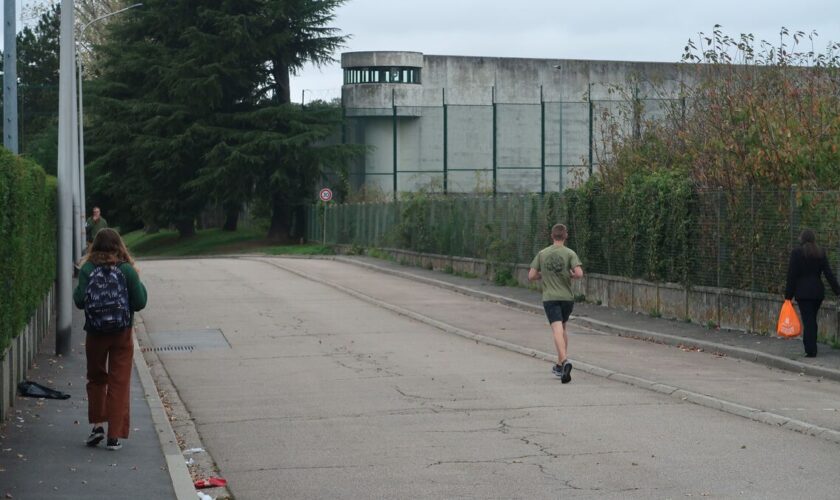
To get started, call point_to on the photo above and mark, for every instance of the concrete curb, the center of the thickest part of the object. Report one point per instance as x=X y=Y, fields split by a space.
x=175 y=464
x=674 y=392
x=621 y=331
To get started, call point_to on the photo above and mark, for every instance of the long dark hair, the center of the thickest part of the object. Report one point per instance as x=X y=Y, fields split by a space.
x=809 y=245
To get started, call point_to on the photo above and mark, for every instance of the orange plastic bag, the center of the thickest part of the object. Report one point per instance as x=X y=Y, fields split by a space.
x=789 y=325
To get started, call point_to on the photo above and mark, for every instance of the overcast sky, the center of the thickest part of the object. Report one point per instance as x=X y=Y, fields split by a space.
x=634 y=30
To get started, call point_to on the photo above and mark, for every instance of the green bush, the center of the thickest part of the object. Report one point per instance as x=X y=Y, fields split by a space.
x=27 y=242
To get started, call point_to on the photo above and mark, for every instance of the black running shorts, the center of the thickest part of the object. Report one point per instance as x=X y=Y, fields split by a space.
x=558 y=310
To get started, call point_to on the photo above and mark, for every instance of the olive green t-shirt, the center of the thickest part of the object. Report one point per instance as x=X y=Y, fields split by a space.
x=554 y=264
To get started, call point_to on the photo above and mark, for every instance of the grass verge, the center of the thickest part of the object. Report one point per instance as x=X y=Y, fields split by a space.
x=213 y=242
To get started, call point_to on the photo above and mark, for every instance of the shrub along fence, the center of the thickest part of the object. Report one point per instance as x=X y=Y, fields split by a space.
x=27 y=267
x=658 y=230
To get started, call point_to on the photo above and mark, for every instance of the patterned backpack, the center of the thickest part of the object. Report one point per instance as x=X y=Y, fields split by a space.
x=106 y=301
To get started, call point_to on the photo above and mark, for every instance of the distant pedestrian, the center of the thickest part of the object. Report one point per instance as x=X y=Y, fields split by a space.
x=556 y=266
x=94 y=224
x=808 y=262
x=109 y=291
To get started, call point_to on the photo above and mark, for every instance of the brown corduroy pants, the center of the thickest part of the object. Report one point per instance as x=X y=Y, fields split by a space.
x=109 y=363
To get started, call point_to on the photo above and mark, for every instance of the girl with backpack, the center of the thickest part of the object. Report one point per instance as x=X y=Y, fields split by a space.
x=110 y=291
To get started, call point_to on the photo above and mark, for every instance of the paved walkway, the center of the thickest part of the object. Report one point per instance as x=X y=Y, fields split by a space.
x=769 y=350
x=42 y=449
x=42 y=454
x=318 y=394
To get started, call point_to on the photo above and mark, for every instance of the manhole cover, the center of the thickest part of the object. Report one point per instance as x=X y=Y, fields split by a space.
x=188 y=340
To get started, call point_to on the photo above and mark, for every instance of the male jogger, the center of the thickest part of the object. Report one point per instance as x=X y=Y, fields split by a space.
x=556 y=266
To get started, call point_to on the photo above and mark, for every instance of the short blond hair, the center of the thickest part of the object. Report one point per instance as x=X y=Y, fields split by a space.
x=559 y=232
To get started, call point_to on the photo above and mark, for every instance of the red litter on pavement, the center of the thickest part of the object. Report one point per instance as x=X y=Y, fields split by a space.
x=210 y=482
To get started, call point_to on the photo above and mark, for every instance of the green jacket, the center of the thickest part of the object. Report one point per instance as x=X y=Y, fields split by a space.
x=137 y=296
x=91 y=228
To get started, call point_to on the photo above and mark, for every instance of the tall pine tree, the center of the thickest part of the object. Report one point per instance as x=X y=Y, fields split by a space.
x=194 y=105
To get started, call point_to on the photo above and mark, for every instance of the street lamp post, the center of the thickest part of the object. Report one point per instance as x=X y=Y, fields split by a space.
x=81 y=119
x=10 y=96
x=64 y=203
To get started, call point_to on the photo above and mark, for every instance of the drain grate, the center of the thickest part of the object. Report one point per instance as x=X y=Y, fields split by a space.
x=189 y=340
x=169 y=348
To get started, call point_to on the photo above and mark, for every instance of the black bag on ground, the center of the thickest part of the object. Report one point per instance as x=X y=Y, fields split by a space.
x=31 y=389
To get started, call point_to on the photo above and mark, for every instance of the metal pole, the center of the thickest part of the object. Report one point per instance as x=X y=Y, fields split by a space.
x=591 y=134
x=445 y=144
x=78 y=226
x=792 y=215
x=542 y=142
x=80 y=167
x=64 y=208
x=560 y=145
x=325 y=224
x=10 y=93
x=82 y=194
x=394 y=126
x=719 y=231
x=495 y=167
x=752 y=238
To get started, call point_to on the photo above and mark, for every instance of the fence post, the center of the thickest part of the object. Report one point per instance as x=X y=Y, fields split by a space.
x=560 y=145
x=752 y=238
x=445 y=143
x=792 y=214
x=542 y=142
x=719 y=235
x=611 y=231
x=495 y=166
x=394 y=127
x=591 y=133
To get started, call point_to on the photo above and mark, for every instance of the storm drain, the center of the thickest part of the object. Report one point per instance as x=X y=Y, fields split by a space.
x=188 y=340
x=169 y=348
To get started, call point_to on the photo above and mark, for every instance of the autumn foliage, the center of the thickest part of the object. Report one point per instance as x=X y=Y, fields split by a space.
x=759 y=115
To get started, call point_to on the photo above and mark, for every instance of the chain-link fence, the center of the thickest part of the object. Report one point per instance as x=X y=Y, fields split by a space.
x=729 y=239
x=497 y=147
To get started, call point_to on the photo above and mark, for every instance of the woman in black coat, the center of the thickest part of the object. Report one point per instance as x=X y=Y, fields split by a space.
x=807 y=263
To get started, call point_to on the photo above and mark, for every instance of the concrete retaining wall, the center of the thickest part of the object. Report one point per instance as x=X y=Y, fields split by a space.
x=730 y=309
x=15 y=362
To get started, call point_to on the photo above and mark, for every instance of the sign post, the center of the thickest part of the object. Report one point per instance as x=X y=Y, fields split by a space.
x=325 y=195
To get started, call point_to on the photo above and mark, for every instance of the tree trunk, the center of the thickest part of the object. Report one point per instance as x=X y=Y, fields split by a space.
x=282 y=91
x=300 y=222
x=186 y=228
x=279 y=229
x=231 y=216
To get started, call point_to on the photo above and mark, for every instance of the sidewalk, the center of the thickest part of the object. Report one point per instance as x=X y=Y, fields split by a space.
x=769 y=350
x=42 y=449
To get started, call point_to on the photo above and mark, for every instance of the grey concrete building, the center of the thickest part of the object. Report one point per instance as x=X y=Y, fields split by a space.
x=491 y=124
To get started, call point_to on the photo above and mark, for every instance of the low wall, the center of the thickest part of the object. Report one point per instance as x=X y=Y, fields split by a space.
x=730 y=309
x=16 y=361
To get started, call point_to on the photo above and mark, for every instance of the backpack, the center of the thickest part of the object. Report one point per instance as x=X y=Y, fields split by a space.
x=106 y=301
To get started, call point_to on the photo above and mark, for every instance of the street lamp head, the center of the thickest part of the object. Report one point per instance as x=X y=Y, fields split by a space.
x=132 y=6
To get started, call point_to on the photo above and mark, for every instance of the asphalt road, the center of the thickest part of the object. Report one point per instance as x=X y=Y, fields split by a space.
x=323 y=395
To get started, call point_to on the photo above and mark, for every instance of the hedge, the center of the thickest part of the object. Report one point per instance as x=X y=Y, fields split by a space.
x=27 y=242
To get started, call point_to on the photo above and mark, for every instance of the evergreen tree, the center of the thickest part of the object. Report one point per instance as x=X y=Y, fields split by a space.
x=294 y=33
x=168 y=71
x=194 y=105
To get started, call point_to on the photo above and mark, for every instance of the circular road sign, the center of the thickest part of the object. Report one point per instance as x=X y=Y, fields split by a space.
x=325 y=194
